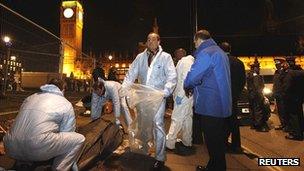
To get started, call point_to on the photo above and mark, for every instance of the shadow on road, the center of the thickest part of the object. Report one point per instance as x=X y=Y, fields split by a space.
x=130 y=161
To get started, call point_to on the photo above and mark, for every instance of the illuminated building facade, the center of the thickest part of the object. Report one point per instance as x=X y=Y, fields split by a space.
x=120 y=61
x=267 y=62
x=14 y=69
x=71 y=24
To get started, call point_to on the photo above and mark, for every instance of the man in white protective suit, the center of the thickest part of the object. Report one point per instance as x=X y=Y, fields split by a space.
x=154 y=68
x=181 y=118
x=45 y=129
x=109 y=90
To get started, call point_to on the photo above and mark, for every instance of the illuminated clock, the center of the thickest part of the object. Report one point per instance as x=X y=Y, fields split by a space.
x=68 y=13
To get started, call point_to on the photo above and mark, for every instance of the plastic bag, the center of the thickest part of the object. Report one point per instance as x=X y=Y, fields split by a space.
x=145 y=101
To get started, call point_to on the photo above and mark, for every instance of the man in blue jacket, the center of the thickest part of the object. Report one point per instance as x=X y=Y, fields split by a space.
x=209 y=80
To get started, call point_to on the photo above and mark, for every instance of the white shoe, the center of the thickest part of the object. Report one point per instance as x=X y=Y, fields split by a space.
x=87 y=112
x=79 y=104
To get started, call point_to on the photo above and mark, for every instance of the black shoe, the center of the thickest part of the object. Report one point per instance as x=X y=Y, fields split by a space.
x=170 y=150
x=158 y=165
x=183 y=150
x=294 y=137
x=235 y=150
x=280 y=127
x=262 y=129
x=181 y=144
x=253 y=127
x=286 y=129
x=201 y=168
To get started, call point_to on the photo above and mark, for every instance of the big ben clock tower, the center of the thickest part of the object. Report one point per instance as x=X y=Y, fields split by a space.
x=71 y=23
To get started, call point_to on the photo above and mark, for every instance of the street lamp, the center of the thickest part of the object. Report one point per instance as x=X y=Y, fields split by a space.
x=13 y=58
x=110 y=58
x=6 y=39
x=8 y=43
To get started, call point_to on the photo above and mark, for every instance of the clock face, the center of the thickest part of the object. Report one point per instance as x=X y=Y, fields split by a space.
x=68 y=13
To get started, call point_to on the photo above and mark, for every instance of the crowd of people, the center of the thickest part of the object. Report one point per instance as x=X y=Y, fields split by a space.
x=205 y=88
x=288 y=93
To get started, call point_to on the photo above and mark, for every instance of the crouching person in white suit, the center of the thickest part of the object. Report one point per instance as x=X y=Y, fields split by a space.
x=45 y=129
x=109 y=90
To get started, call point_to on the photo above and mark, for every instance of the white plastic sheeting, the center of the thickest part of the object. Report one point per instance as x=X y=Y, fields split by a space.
x=145 y=101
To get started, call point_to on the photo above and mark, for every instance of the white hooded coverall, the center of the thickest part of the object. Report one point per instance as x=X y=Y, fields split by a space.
x=45 y=129
x=119 y=104
x=160 y=75
x=181 y=118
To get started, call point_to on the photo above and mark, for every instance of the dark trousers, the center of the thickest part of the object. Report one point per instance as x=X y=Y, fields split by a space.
x=233 y=128
x=284 y=119
x=259 y=117
x=214 y=133
x=295 y=111
x=197 y=131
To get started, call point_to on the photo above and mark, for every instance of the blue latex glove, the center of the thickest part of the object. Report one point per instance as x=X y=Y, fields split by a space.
x=178 y=100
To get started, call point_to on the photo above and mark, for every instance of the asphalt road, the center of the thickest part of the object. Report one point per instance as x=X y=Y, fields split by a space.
x=255 y=144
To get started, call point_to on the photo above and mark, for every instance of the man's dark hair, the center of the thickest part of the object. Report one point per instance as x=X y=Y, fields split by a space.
x=57 y=82
x=98 y=85
x=202 y=34
x=180 y=50
x=226 y=47
x=99 y=64
x=290 y=59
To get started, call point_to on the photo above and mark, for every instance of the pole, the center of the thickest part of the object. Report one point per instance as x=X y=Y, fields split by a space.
x=6 y=70
x=193 y=22
x=20 y=82
x=61 y=56
x=191 y=27
x=92 y=79
x=195 y=16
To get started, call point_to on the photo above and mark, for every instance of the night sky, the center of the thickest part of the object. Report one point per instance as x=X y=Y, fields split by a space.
x=260 y=27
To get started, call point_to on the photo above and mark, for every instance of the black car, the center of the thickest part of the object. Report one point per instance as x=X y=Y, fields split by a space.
x=243 y=105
